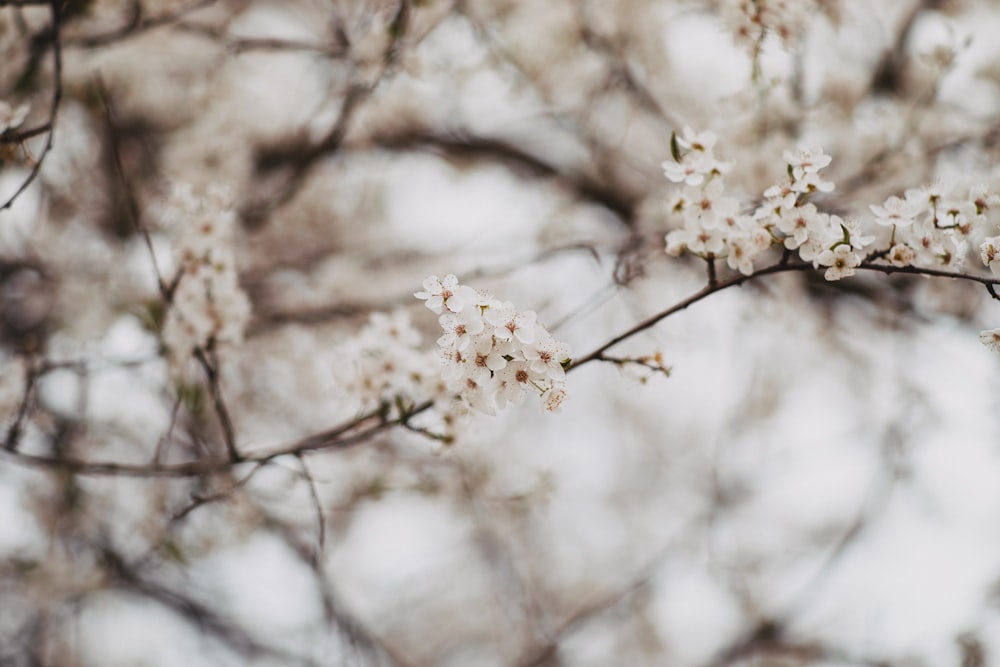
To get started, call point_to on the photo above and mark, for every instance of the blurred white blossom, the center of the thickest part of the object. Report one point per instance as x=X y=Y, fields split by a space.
x=208 y=306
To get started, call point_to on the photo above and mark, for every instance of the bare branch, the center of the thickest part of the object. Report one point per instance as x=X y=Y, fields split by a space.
x=56 y=45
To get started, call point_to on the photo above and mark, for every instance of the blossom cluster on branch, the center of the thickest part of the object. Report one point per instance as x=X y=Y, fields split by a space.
x=714 y=226
x=207 y=305
x=385 y=368
x=752 y=20
x=493 y=354
x=929 y=227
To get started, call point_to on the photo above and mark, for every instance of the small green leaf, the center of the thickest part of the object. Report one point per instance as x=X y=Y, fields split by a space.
x=192 y=397
x=152 y=314
x=172 y=551
x=675 y=149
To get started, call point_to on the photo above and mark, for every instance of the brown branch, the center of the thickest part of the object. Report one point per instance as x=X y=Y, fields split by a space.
x=767 y=638
x=355 y=432
x=125 y=577
x=320 y=516
x=780 y=267
x=136 y=24
x=131 y=204
x=354 y=631
x=538 y=656
x=620 y=70
x=462 y=145
x=16 y=429
x=340 y=437
x=887 y=79
x=200 y=500
x=210 y=364
x=300 y=160
x=397 y=28
x=56 y=44
x=11 y=137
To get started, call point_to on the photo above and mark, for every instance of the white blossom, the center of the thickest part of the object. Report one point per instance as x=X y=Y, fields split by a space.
x=901 y=255
x=697 y=161
x=742 y=252
x=383 y=365
x=991 y=339
x=989 y=252
x=491 y=353
x=208 y=306
x=12 y=117
x=896 y=211
x=842 y=261
x=445 y=293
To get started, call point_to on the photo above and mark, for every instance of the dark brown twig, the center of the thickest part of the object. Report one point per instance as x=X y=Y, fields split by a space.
x=780 y=267
x=16 y=429
x=131 y=204
x=210 y=364
x=56 y=43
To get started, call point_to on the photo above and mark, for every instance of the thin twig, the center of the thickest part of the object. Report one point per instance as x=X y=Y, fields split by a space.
x=11 y=137
x=780 y=267
x=135 y=25
x=16 y=429
x=56 y=98
x=210 y=364
x=320 y=517
x=343 y=436
x=132 y=205
x=199 y=500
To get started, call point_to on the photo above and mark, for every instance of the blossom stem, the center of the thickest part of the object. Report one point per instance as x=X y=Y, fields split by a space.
x=780 y=267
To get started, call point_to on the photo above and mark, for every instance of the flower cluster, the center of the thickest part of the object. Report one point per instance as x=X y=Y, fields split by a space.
x=385 y=367
x=694 y=158
x=713 y=226
x=492 y=354
x=752 y=20
x=208 y=306
x=932 y=226
x=928 y=227
x=824 y=239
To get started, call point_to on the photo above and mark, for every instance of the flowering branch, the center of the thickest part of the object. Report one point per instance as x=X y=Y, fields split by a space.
x=376 y=421
x=492 y=355
x=780 y=267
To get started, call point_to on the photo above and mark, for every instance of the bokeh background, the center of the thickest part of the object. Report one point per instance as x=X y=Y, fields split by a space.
x=817 y=482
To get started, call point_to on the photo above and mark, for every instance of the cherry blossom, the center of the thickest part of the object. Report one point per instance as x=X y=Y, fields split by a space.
x=991 y=339
x=896 y=211
x=842 y=261
x=445 y=293
x=208 y=306
x=491 y=353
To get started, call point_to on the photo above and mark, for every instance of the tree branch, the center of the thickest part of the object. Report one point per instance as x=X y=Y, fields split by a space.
x=54 y=105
